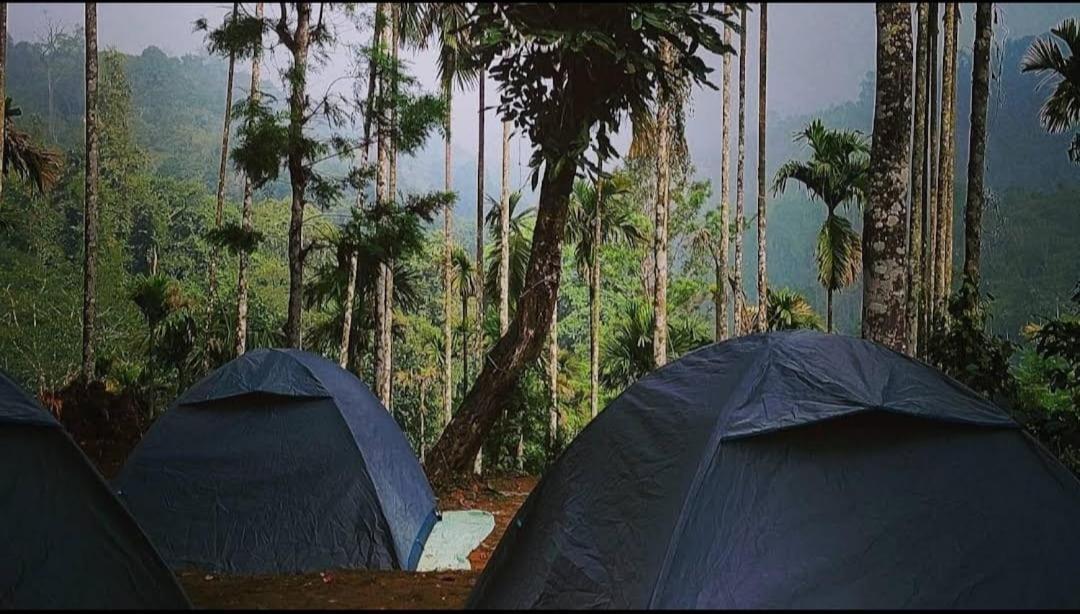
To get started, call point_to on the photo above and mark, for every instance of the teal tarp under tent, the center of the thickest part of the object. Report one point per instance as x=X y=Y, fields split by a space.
x=279 y=462
x=795 y=470
x=65 y=541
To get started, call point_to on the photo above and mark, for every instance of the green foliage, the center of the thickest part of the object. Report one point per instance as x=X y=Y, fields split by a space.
x=1062 y=109
x=235 y=238
x=963 y=346
x=262 y=140
x=628 y=355
x=1058 y=343
x=23 y=158
x=540 y=52
x=619 y=220
x=789 y=310
x=157 y=297
x=521 y=229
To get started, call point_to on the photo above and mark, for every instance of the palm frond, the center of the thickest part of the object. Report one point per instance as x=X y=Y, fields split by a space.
x=838 y=253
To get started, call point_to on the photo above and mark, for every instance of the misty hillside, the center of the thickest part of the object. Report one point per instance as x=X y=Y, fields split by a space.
x=179 y=101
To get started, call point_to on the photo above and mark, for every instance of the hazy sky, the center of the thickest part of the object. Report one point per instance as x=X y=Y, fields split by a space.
x=818 y=53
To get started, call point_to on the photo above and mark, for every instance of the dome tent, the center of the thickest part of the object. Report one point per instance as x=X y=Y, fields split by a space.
x=66 y=541
x=794 y=470
x=279 y=462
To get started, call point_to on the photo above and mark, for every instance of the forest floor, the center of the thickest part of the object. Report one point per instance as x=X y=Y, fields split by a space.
x=352 y=589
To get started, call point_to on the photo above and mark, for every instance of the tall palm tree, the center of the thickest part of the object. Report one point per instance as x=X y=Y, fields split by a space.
x=215 y=252
x=740 y=192
x=918 y=180
x=980 y=96
x=503 y=239
x=465 y=280
x=947 y=158
x=930 y=256
x=3 y=92
x=444 y=23
x=1061 y=111
x=383 y=195
x=708 y=241
x=482 y=113
x=660 y=219
x=246 y=217
x=721 y=256
x=506 y=270
x=836 y=175
x=884 y=239
x=519 y=225
x=344 y=349
x=600 y=214
x=762 y=278
x=90 y=213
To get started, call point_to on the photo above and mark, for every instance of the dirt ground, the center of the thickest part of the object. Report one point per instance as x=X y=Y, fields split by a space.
x=349 y=589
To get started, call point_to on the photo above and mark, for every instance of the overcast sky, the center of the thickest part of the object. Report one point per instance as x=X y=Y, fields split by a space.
x=818 y=53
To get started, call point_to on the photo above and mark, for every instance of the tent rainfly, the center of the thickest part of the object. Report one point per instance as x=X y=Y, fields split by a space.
x=279 y=462
x=795 y=470
x=65 y=541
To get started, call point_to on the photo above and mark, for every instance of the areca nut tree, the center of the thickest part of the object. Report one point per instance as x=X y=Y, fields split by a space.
x=1061 y=111
x=600 y=214
x=835 y=175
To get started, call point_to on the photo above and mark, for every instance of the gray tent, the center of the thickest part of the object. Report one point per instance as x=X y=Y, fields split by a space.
x=795 y=470
x=65 y=541
x=279 y=462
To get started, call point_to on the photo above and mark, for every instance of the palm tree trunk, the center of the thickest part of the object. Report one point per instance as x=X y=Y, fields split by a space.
x=660 y=226
x=980 y=96
x=762 y=279
x=480 y=203
x=346 y=347
x=740 y=192
x=946 y=161
x=504 y=234
x=388 y=295
x=448 y=334
x=918 y=177
x=3 y=92
x=382 y=196
x=298 y=174
x=464 y=348
x=247 y=224
x=553 y=386
x=594 y=304
x=215 y=251
x=480 y=305
x=884 y=240
x=90 y=213
x=930 y=245
x=828 y=310
x=725 y=180
x=423 y=411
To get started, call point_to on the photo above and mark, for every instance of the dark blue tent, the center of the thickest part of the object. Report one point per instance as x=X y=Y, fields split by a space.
x=795 y=470
x=65 y=541
x=279 y=462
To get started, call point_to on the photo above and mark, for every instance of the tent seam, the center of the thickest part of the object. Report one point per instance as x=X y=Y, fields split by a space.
x=715 y=440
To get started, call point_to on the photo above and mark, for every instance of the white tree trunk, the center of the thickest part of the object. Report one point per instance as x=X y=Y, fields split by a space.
x=246 y=220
